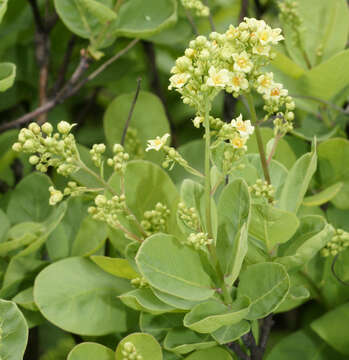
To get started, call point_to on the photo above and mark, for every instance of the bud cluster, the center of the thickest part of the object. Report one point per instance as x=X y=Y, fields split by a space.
x=139 y=282
x=119 y=160
x=57 y=150
x=198 y=6
x=108 y=210
x=96 y=154
x=155 y=221
x=133 y=144
x=338 y=243
x=188 y=216
x=129 y=352
x=199 y=241
x=289 y=14
x=261 y=189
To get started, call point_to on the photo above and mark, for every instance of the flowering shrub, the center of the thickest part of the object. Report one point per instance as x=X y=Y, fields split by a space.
x=146 y=250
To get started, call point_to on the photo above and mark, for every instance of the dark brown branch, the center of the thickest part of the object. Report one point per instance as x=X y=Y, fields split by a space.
x=62 y=72
x=235 y=346
x=129 y=117
x=267 y=324
x=156 y=85
x=37 y=16
x=244 y=10
x=250 y=343
x=69 y=89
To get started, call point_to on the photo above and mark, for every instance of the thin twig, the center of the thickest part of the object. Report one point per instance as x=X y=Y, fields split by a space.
x=250 y=342
x=65 y=64
x=68 y=90
x=192 y=22
x=129 y=117
x=235 y=346
x=37 y=16
x=210 y=18
x=244 y=10
x=272 y=152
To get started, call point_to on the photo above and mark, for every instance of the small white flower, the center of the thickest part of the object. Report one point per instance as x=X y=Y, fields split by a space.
x=232 y=33
x=261 y=49
x=244 y=128
x=157 y=143
x=265 y=35
x=264 y=83
x=239 y=142
x=219 y=78
x=179 y=80
x=275 y=35
x=238 y=82
x=198 y=121
x=275 y=92
x=242 y=62
x=55 y=196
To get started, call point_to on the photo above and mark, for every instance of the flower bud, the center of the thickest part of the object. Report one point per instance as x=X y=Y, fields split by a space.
x=34 y=160
x=64 y=127
x=17 y=147
x=34 y=127
x=47 y=128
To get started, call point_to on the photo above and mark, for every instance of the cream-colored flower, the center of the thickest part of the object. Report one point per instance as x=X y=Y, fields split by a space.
x=232 y=33
x=242 y=62
x=179 y=80
x=239 y=142
x=157 y=143
x=265 y=35
x=275 y=92
x=244 y=128
x=238 y=81
x=265 y=82
x=275 y=35
x=259 y=49
x=198 y=121
x=219 y=78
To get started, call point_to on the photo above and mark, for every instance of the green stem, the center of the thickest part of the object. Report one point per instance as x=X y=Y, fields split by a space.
x=254 y=119
x=212 y=248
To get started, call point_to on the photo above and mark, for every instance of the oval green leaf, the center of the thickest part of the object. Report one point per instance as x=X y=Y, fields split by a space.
x=216 y=353
x=7 y=74
x=115 y=266
x=91 y=351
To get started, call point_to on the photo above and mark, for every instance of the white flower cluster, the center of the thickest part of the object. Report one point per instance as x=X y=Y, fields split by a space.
x=261 y=189
x=96 y=154
x=57 y=150
x=196 y=5
x=72 y=189
x=188 y=216
x=119 y=160
x=232 y=62
x=129 y=352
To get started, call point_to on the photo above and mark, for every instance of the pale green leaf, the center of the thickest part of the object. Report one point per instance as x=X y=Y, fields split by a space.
x=91 y=351
x=115 y=266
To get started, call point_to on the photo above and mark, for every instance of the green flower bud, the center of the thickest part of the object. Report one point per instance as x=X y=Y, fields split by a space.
x=35 y=128
x=47 y=128
x=17 y=147
x=34 y=160
x=64 y=127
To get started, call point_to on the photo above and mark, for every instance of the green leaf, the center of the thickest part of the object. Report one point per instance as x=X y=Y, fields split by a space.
x=102 y=12
x=297 y=182
x=7 y=73
x=333 y=153
x=230 y=333
x=14 y=331
x=323 y=196
x=138 y=18
x=115 y=266
x=312 y=235
x=183 y=341
x=3 y=8
x=30 y=199
x=333 y=328
x=90 y=238
x=159 y=325
x=271 y=225
x=145 y=345
x=302 y=345
x=91 y=351
x=266 y=285
x=25 y=299
x=79 y=297
x=144 y=300
x=147 y=127
x=174 y=301
x=193 y=195
x=183 y=276
x=211 y=315
x=216 y=353
x=233 y=221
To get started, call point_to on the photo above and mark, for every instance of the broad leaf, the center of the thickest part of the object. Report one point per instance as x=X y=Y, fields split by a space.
x=115 y=266
x=79 y=297
x=233 y=217
x=212 y=315
x=230 y=333
x=14 y=331
x=91 y=351
x=145 y=346
x=267 y=285
x=3 y=8
x=7 y=73
x=323 y=196
x=216 y=353
x=183 y=276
